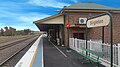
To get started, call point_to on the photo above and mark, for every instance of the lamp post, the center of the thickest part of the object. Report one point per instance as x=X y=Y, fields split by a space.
x=68 y=30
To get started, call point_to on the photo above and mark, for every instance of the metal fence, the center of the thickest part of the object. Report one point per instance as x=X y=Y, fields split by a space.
x=77 y=44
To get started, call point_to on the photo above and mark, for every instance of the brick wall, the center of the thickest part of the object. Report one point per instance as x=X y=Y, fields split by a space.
x=94 y=33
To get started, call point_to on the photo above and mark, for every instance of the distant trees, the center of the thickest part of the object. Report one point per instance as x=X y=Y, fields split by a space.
x=9 y=31
x=27 y=31
x=12 y=31
x=6 y=31
x=24 y=32
x=1 y=32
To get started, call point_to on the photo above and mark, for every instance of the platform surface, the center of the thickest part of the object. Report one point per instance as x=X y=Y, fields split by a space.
x=57 y=56
x=45 y=53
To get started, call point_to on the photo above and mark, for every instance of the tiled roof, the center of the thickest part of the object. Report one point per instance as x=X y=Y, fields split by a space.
x=89 y=6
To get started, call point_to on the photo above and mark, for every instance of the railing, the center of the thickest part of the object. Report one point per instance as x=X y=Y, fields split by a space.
x=77 y=44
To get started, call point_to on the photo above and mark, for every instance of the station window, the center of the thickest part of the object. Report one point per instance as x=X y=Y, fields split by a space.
x=78 y=35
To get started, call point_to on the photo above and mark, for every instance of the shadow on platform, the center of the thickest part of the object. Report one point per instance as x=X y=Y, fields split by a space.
x=57 y=56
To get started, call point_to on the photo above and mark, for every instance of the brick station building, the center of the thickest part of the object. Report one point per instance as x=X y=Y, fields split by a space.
x=76 y=15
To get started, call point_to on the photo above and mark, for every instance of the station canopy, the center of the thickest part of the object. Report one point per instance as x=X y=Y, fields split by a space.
x=49 y=22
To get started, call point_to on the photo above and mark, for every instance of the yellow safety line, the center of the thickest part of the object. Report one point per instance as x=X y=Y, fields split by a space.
x=31 y=64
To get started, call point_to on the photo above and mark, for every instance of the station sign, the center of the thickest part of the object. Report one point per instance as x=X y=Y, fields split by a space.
x=103 y=20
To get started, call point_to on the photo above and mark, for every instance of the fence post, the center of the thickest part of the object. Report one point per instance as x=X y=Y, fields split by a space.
x=113 y=54
x=118 y=54
x=72 y=43
x=75 y=44
x=90 y=44
x=84 y=43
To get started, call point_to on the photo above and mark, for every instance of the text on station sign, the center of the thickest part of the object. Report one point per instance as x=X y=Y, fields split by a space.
x=98 y=21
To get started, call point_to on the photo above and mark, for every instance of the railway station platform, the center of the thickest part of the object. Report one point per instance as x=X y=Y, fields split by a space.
x=47 y=54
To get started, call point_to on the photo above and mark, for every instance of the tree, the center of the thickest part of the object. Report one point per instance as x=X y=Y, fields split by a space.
x=2 y=32
x=6 y=31
x=12 y=31
x=27 y=31
x=9 y=31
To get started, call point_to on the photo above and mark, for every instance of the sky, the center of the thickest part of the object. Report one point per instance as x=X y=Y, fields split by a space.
x=20 y=14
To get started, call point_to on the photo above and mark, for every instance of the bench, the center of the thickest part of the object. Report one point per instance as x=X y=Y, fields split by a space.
x=90 y=58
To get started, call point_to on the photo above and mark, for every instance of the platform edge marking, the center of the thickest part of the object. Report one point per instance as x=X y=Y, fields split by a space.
x=33 y=58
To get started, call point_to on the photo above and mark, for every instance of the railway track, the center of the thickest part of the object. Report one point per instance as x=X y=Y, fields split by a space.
x=9 y=45
x=13 y=43
x=15 y=52
x=4 y=39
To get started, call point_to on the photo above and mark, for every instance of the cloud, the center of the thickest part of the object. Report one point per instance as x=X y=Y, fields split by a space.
x=22 y=27
x=20 y=20
x=1 y=24
x=48 y=3
x=20 y=15
x=25 y=17
x=75 y=1
x=29 y=18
